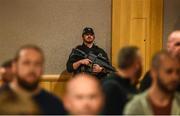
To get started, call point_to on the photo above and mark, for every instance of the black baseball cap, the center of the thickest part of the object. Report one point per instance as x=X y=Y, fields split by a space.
x=88 y=30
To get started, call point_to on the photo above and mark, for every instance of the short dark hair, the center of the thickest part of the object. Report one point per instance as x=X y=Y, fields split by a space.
x=127 y=56
x=156 y=60
x=29 y=46
x=7 y=64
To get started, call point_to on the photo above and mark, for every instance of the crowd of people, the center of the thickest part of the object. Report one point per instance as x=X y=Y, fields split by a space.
x=94 y=89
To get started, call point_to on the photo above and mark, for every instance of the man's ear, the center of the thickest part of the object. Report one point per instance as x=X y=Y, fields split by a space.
x=82 y=36
x=153 y=73
x=66 y=102
x=14 y=66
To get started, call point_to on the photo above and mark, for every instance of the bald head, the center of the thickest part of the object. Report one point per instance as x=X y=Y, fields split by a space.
x=83 y=95
x=82 y=81
x=173 y=44
x=174 y=35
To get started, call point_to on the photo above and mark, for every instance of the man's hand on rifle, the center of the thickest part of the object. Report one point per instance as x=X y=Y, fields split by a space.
x=81 y=62
x=97 y=68
x=85 y=61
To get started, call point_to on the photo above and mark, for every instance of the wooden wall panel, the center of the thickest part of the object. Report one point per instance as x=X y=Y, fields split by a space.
x=55 y=83
x=138 y=35
x=156 y=26
x=139 y=8
x=58 y=88
x=137 y=22
x=120 y=26
x=46 y=85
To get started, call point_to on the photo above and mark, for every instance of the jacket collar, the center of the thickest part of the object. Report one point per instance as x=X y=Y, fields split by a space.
x=84 y=45
x=148 y=110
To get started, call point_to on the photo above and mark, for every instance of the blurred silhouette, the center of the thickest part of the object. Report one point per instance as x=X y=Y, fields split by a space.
x=173 y=46
x=7 y=72
x=161 y=98
x=29 y=63
x=83 y=95
x=120 y=87
x=14 y=104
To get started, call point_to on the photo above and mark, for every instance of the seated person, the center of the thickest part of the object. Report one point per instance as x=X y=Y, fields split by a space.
x=83 y=95
x=79 y=64
x=161 y=98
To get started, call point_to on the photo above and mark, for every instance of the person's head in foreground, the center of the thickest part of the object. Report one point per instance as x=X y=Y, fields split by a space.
x=83 y=95
x=165 y=72
x=29 y=62
x=7 y=71
x=130 y=63
x=173 y=44
x=161 y=98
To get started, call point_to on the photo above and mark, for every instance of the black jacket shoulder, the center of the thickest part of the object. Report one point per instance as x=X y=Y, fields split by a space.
x=49 y=103
x=79 y=47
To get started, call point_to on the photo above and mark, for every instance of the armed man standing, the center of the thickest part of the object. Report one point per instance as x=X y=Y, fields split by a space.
x=77 y=64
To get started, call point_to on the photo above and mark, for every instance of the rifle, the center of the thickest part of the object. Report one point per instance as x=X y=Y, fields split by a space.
x=96 y=59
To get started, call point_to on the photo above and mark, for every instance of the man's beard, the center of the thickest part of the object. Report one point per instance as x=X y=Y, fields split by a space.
x=178 y=57
x=163 y=87
x=27 y=86
x=88 y=42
